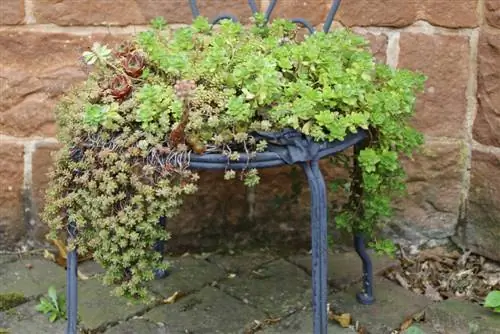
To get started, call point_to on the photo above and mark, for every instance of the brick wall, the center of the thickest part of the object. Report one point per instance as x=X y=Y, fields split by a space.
x=454 y=183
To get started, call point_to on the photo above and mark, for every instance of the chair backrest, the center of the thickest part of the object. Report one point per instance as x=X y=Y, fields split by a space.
x=253 y=7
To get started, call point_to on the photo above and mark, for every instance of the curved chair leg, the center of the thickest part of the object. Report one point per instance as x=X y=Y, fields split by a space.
x=366 y=296
x=72 y=284
x=160 y=247
x=319 y=245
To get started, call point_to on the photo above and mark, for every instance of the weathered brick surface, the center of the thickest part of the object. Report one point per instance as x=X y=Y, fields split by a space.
x=434 y=191
x=125 y=12
x=486 y=128
x=396 y=13
x=42 y=162
x=446 y=13
x=12 y=226
x=481 y=232
x=11 y=12
x=314 y=11
x=492 y=12
x=391 y=13
x=378 y=46
x=35 y=69
x=441 y=109
x=11 y=193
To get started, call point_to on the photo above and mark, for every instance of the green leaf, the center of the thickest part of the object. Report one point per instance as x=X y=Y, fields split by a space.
x=201 y=24
x=158 y=23
x=492 y=299
x=52 y=293
x=89 y=57
x=53 y=317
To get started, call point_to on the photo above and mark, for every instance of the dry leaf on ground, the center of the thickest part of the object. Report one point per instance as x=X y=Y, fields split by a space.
x=440 y=273
x=406 y=324
x=173 y=298
x=344 y=319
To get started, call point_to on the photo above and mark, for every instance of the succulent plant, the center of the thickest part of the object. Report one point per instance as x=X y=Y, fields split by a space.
x=120 y=87
x=168 y=94
x=133 y=64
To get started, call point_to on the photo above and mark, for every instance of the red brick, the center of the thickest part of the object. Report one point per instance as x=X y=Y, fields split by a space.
x=397 y=13
x=434 y=190
x=441 y=109
x=314 y=11
x=378 y=46
x=451 y=14
x=42 y=163
x=31 y=84
x=11 y=12
x=125 y=12
x=492 y=12
x=481 y=231
x=391 y=13
x=486 y=127
x=12 y=227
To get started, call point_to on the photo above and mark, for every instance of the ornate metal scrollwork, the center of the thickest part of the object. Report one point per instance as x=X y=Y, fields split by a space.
x=272 y=5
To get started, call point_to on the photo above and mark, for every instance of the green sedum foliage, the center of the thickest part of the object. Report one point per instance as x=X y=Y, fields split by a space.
x=129 y=130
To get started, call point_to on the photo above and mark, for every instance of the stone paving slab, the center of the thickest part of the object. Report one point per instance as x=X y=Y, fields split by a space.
x=7 y=258
x=241 y=263
x=393 y=304
x=302 y=323
x=24 y=319
x=90 y=268
x=206 y=312
x=422 y=328
x=97 y=307
x=457 y=317
x=344 y=269
x=278 y=288
x=138 y=326
x=187 y=274
x=31 y=277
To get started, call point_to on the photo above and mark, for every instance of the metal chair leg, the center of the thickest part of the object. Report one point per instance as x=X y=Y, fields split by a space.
x=319 y=245
x=364 y=297
x=72 y=284
x=160 y=247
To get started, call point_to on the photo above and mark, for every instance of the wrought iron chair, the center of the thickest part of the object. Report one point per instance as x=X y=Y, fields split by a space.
x=310 y=165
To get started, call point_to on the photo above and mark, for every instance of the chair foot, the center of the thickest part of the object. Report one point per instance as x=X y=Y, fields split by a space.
x=364 y=298
x=160 y=273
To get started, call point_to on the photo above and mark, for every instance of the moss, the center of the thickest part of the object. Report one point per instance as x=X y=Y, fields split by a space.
x=4 y=331
x=10 y=300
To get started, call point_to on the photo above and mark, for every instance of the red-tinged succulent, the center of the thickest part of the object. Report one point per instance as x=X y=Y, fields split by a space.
x=120 y=87
x=133 y=64
x=124 y=49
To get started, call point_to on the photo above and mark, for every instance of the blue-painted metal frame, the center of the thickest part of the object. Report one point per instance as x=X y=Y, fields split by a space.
x=319 y=203
x=71 y=280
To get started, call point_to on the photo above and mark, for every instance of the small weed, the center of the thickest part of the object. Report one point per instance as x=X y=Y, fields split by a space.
x=54 y=306
x=493 y=301
x=384 y=246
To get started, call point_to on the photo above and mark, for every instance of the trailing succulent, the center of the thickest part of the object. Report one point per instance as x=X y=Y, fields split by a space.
x=148 y=104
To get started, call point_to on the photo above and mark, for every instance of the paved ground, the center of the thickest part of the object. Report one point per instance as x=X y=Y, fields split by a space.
x=245 y=293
